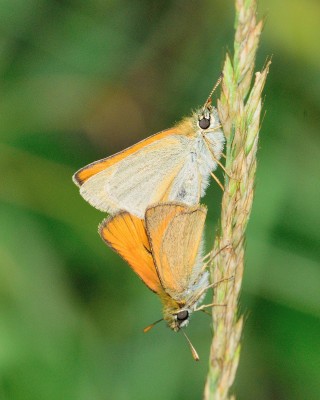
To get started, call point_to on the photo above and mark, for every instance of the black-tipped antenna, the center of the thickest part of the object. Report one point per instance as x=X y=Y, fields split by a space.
x=208 y=101
x=147 y=328
x=193 y=350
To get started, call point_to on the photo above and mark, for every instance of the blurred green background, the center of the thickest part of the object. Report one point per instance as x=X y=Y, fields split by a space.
x=82 y=79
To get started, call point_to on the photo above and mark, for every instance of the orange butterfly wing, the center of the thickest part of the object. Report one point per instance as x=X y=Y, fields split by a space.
x=88 y=171
x=126 y=234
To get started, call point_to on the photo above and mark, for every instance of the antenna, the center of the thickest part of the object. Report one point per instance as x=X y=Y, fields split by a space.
x=208 y=101
x=193 y=350
x=149 y=327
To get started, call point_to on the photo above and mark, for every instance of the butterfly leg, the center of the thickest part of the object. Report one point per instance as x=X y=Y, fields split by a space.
x=217 y=180
x=212 y=256
x=207 y=255
x=212 y=285
x=206 y=312
x=202 y=308
x=216 y=160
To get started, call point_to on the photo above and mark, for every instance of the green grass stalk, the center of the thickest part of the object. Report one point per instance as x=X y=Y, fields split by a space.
x=240 y=110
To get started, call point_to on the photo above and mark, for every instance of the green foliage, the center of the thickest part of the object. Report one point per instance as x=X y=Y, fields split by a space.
x=82 y=80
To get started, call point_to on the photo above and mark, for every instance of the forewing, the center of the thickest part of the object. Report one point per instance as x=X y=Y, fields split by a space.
x=138 y=179
x=126 y=234
x=175 y=233
x=94 y=168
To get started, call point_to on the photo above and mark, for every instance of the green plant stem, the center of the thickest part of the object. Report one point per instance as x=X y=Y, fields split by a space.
x=239 y=109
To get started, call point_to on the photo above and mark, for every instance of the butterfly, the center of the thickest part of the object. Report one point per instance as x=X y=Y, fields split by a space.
x=173 y=165
x=165 y=251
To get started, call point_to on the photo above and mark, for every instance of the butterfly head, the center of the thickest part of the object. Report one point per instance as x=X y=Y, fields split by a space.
x=207 y=118
x=177 y=319
x=176 y=314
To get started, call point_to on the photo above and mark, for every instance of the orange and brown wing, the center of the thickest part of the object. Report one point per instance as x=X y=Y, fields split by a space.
x=175 y=234
x=126 y=234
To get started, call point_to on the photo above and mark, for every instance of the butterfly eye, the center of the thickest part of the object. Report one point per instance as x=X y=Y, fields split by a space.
x=204 y=123
x=182 y=315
